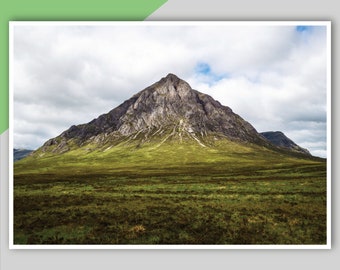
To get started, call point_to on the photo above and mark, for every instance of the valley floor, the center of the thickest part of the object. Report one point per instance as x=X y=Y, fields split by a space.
x=285 y=204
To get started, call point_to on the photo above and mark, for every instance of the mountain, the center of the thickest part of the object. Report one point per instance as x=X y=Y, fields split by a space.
x=281 y=140
x=20 y=153
x=167 y=110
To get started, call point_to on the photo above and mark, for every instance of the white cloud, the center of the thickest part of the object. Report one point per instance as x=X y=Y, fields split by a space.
x=273 y=76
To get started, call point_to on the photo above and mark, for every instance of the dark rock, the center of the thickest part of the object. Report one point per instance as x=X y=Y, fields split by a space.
x=281 y=140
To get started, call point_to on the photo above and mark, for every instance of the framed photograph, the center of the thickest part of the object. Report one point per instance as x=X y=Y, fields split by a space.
x=170 y=135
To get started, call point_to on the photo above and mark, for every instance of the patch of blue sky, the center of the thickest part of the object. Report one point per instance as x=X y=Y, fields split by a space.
x=303 y=28
x=203 y=68
x=204 y=71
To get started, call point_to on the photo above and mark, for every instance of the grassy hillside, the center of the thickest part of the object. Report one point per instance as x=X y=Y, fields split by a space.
x=157 y=156
x=170 y=193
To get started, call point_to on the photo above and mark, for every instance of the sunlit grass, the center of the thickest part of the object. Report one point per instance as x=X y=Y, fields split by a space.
x=179 y=194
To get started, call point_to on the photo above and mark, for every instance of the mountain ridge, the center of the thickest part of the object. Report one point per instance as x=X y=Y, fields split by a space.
x=19 y=154
x=279 y=139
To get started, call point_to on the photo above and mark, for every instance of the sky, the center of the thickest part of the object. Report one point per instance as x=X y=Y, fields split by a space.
x=273 y=76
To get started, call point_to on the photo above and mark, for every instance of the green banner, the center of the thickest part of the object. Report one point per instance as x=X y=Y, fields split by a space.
x=61 y=10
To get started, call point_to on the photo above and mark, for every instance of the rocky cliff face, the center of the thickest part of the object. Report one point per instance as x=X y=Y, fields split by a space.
x=169 y=107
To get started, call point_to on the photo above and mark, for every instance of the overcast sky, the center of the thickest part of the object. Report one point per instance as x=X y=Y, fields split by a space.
x=274 y=76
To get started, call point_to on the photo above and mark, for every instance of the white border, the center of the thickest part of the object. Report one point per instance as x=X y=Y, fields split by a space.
x=168 y=23
x=10 y=139
x=12 y=24
x=329 y=135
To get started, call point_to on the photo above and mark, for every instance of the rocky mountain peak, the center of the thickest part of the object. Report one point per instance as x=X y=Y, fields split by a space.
x=172 y=78
x=169 y=106
x=172 y=87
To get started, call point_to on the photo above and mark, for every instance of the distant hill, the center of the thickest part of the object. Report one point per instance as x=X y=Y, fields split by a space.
x=20 y=153
x=281 y=140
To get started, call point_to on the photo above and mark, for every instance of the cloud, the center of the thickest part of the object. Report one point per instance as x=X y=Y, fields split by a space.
x=273 y=76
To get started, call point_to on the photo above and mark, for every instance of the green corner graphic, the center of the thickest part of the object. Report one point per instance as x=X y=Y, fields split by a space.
x=62 y=10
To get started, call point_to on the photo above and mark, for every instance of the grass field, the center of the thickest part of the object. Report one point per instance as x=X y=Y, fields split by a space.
x=179 y=194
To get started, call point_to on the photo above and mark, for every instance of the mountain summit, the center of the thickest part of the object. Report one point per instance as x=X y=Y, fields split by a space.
x=168 y=109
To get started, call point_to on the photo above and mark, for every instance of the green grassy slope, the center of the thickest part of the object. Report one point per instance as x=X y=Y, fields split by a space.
x=170 y=193
x=157 y=156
